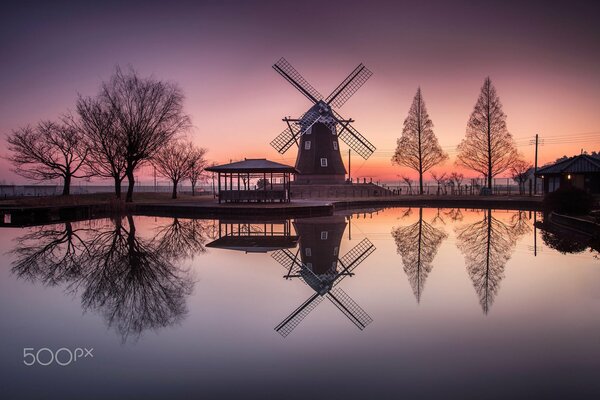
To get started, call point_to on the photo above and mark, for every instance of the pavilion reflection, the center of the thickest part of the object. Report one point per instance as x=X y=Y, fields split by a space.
x=135 y=283
x=254 y=236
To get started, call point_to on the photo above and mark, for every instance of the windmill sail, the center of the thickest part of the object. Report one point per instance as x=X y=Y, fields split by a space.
x=349 y=86
x=291 y=322
x=355 y=257
x=286 y=70
x=298 y=270
x=284 y=257
x=285 y=140
x=350 y=308
x=354 y=139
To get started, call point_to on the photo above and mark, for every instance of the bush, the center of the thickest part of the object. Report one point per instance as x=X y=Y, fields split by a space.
x=571 y=201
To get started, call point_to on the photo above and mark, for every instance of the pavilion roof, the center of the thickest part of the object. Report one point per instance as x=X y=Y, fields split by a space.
x=252 y=165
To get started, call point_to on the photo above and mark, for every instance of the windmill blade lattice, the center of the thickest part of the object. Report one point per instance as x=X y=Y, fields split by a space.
x=286 y=70
x=291 y=322
x=354 y=139
x=355 y=257
x=350 y=308
x=349 y=86
x=284 y=257
x=296 y=269
x=285 y=140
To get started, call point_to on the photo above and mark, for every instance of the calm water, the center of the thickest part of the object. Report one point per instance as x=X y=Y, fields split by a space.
x=412 y=303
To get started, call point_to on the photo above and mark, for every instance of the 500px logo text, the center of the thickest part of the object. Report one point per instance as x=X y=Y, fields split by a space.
x=62 y=356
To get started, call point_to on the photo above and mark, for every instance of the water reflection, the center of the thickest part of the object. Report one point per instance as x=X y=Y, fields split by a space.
x=135 y=283
x=418 y=244
x=487 y=245
x=258 y=236
x=139 y=282
x=317 y=264
x=567 y=240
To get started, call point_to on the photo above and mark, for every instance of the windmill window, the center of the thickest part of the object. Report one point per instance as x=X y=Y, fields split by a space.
x=323 y=162
x=333 y=265
x=308 y=252
x=323 y=235
x=335 y=145
x=309 y=265
x=307 y=145
x=335 y=250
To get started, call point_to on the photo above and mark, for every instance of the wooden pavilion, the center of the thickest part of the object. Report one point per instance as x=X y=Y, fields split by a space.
x=256 y=179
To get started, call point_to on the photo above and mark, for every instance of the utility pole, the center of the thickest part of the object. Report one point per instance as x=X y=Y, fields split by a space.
x=535 y=168
x=349 y=174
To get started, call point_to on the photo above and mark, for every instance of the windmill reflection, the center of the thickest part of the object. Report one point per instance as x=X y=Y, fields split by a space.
x=317 y=264
x=488 y=245
x=135 y=283
x=418 y=244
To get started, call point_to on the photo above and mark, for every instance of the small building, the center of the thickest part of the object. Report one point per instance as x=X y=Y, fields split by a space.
x=582 y=171
x=254 y=179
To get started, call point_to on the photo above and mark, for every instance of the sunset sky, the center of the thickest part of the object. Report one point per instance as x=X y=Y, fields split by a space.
x=544 y=61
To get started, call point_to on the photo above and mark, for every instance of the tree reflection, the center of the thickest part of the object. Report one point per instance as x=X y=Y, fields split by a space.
x=455 y=214
x=135 y=283
x=50 y=254
x=182 y=238
x=418 y=244
x=487 y=245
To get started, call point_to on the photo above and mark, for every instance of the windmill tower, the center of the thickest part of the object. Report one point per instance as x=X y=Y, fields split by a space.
x=317 y=263
x=318 y=130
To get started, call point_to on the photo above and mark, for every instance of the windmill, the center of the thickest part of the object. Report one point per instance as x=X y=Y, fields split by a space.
x=317 y=264
x=317 y=131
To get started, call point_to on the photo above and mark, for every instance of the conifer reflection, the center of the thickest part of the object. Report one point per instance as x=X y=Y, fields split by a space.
x=418 y=244
x=488 y=245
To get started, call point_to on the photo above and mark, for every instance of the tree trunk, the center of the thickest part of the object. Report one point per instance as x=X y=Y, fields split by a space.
x=118 y=187
x=67 y=185
x=420 y=182
x=174 y=195
x=131 y=183
x=193 y=188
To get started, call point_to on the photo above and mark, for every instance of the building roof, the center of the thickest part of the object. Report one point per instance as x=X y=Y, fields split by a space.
x=580 y=164
x=253 y=165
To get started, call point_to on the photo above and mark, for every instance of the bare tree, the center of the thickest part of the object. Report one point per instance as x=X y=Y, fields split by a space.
x=456 y=179
x=440 y=179
x=148 y=115
x=49 y=150
x=175 y=161
x=106 y=158
x=418 y=244
x=418 y=147
x=520 y=173
x=488 y=147
x=197 y=169
x=409 y=182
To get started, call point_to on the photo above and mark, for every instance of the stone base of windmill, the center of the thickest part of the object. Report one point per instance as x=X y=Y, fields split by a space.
x=341 y=190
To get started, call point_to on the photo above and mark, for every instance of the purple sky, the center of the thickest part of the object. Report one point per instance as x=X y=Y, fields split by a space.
x=544 y=61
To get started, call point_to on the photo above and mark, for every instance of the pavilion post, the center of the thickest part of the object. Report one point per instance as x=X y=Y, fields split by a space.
x=219 y=184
